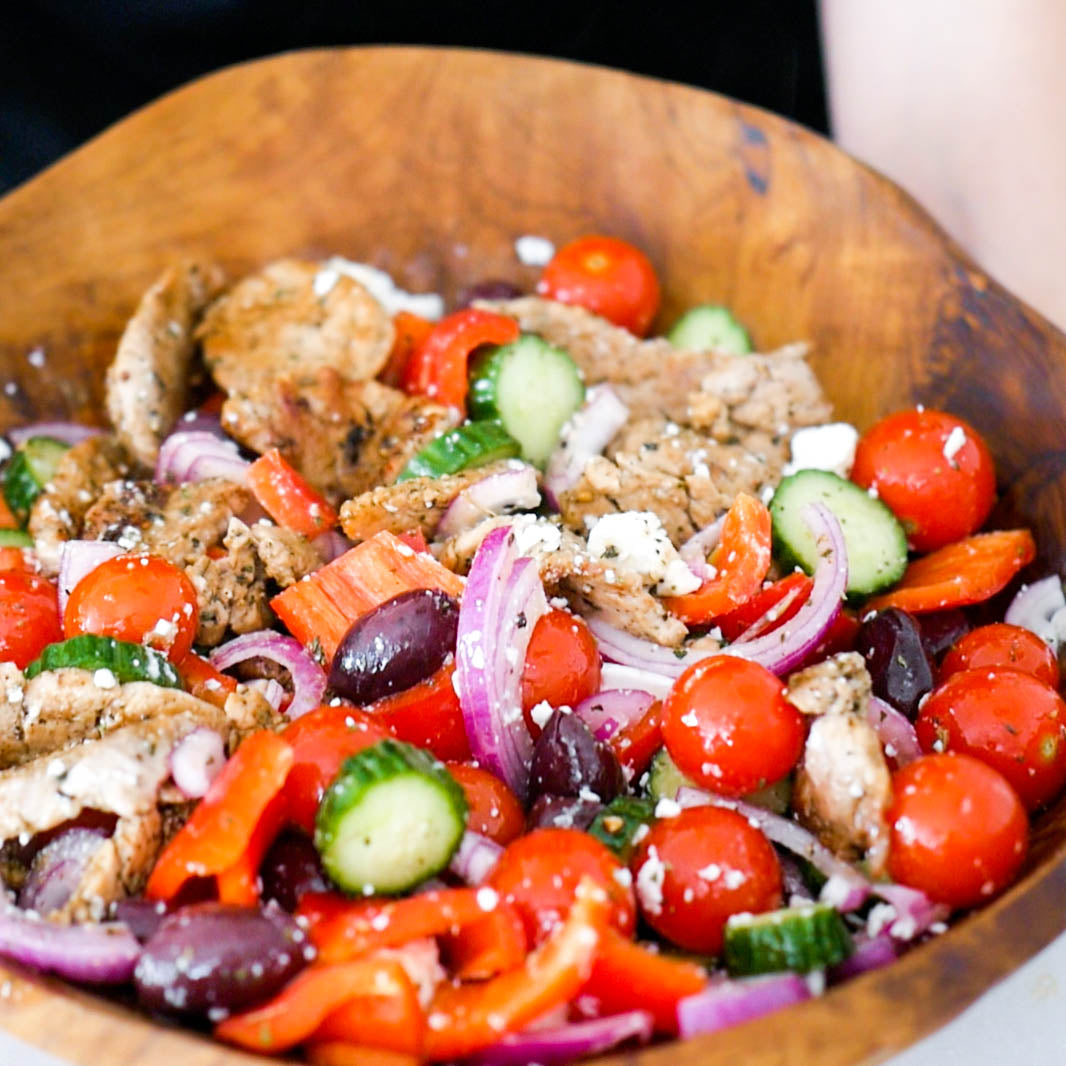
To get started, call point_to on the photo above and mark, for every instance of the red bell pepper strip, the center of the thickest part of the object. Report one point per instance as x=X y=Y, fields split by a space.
x=309 y=999
x=14 y=559
x=437 y=368
x=741 y=560
x=627 y=976
x=203 y=681
x=240 y=884
x=491 y=946
x=217 y=833
x=770 y=607
x=287 y=497
x=409 y=331
x=338 y=1053
x=465 y=1018
x=636 y=744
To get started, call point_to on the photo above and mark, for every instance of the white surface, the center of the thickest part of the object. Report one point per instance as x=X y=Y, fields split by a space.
x=1018 y=1021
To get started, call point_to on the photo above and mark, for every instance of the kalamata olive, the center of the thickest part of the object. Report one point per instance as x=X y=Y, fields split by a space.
x=142 y=917
x=562 y=812
x=489 y=289
x=290 y=868
x=395 y=646
x=941 y=630
x=216 y=955
x=569 y=761
x=891 y=644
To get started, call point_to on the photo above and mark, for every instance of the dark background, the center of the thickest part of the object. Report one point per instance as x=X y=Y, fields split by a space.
x=69 y=68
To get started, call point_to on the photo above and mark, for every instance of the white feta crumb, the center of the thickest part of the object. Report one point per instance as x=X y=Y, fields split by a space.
x=956 y=439
x=56 y=768
x=829 y=447
x=165 y=629
x=15 y=693
x=881 y=916
x=323 y=282
x=387 y=293
x=650 y=879
x=541 y=713
x=534 y=251
x=535 y=536
x=816 y=982
x=36 y=357
x=710 y=873
x=104 y=678
x=667 y=808
x=636 y=540
x=487 y=899
x=5 y=450
x=10 y=389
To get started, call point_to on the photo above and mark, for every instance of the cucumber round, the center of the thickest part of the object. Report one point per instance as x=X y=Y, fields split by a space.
x=392 y=817
x=710 y=328
x=875 y=540
x=800 y=939
x=463 y=448
x=31 y=468
x=125 y=660
x=531 y=387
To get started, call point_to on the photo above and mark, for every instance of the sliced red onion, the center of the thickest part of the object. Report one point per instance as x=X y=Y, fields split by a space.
x=915 y=911
x=58 y=869
x=894 y=730
x=506 y=492
x=195 y=454
x=616 y=676
x=640 y=654
x=1040 y=608
x=197 y=422
x=871 y=953
x=731 y=1002
x=104 y=954
x=845 y=888
x=700 y=545
x=475 y=858
x=76 y=559
x=554 y=1047
x=793 y=883
x=308 y=678
x=503 y=601
x=197 y=759
x=766 y=621
x=230 y=467
x=585 y=435
x=67 y=432
x=613 y=709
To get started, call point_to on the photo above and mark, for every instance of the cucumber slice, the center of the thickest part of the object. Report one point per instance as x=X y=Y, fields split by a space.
x=15 y=538
x=664 y=778
x=126 y=661
x=710 y=328
x=463 y=448
x=31 y=468
x=876 y=542
x=619 y=823
x=800 y=939
x=532 y=388
x=392 y=817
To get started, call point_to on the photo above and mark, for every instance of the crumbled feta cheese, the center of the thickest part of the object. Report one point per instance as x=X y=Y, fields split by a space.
x=534 y=251
x=956 y=439
x=541 y=713
x=650 y=879
x=636 y=540
x=36 y=357
x=382 y=287
x=667 y=808
x=829 y=447
x=103 y=678
x=487 y=898
x=535 y=536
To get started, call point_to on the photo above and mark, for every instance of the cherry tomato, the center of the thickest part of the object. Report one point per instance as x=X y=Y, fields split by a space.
x=140 y=598
x=728 y=726
x=321 y=740
x=959 y=831
x=1006 y=718
x=695 y=870
x=492 y=808
x=918 y=461
x=609 y=277
x=636 y=744
x=562 y=664
x=29 y=616
x=539 y=874
x=1001 y=644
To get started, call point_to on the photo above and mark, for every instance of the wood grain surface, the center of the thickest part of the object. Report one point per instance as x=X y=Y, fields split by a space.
x=429 y=163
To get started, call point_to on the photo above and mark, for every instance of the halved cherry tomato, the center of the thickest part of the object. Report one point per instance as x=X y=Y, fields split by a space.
x=727 y=725
x=1002 y=644
x=959 y=831
x=562 y=664
x=539 y=874
x=29 y=616
x=204 y=681
x=694 y=870
x=492 y=808
x=437 y=367
x=12 y=558
x=771 y=607
x=286 y=496
x=1007 y=718
x=636 y=744
x=140 y=598
x=427 y=715
x=607 y=276
x=918 y=460
x=321 y=740
x=740 y=560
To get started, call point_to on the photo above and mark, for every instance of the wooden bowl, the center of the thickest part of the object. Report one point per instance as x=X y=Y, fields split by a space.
x=430 y=163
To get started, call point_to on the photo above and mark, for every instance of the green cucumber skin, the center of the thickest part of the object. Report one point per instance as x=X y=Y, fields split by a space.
x=633 y=812
x=386 y=765
x=532 y=388
x=127 y=661
x=464 y=448
x=876 y=541
x=31 y=468
x=664 y=777
x=15 y=538
x=710 y=327
x=799 y=939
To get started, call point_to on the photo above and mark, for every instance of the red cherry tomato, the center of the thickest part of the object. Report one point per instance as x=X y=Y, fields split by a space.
x=1006 y=718
x=562 y=664
x=140 y=598
x=728 y=726
x=540 y=871
x=636 y=744
x=693 y=871
x=933 y=472
x=1001 y=644
x=492 y=808
x=29 y=616
x=321 y=740
x=609 y=277
x=959 y=831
